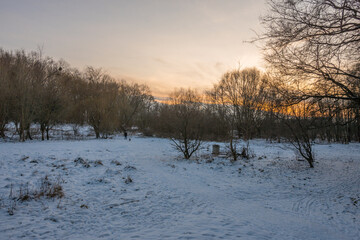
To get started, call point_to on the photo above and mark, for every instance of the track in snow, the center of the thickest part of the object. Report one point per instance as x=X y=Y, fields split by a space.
x=272 y=198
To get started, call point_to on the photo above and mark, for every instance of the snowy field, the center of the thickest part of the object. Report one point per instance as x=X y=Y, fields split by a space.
x=272 y=196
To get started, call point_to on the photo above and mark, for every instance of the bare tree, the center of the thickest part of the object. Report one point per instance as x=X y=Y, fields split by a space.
x=5 y=91
x=131 y=101
x=316 y=45
x=23 y=94
x=74 y=95
x=300 y=120
x=241 y=94
x=48 y=104
x=244 y=91
x=101 y=101
x=183 y=120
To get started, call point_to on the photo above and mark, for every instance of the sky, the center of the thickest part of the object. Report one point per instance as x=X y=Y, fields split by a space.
x=165 y=44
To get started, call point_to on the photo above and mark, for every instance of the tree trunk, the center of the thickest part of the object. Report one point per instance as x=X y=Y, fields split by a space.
x=28 y=135
x=42 y=129
x=2 y=131
x=21 y=132
x=311 y=163
x=358 y=124
x=47 y=133
x=358 y=129
x=96 y=130
x=233 y=150
x=186 y=149
x=97 y=133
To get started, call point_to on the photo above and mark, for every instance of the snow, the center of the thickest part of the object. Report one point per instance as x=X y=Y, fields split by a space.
x=272 y=196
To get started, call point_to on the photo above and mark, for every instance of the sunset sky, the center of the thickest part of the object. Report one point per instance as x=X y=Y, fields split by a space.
x=162 y=43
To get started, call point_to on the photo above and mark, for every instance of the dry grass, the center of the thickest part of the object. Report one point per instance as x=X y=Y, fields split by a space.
x=48 y=188
x=82 y=162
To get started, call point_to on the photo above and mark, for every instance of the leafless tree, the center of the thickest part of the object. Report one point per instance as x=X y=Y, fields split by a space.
x=23 y=94
x=241 y=95
x=132 y=100
x=300 y=120
x=48 y=102
x=316 y=45
x=243 y=90
x=101 y=101
x=74 y=95
x=183 y=120
x=5 y=90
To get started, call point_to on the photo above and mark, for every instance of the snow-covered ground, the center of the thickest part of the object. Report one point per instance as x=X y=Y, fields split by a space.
x=271 y=196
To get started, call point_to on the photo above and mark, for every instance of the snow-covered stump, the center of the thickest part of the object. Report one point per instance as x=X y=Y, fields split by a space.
x=215 y=149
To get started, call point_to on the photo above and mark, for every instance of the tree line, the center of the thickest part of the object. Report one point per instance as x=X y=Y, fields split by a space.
x=37 y=89
x=244 y=104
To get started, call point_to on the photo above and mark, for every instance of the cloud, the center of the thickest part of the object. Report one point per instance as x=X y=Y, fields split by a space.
x=160 y=60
